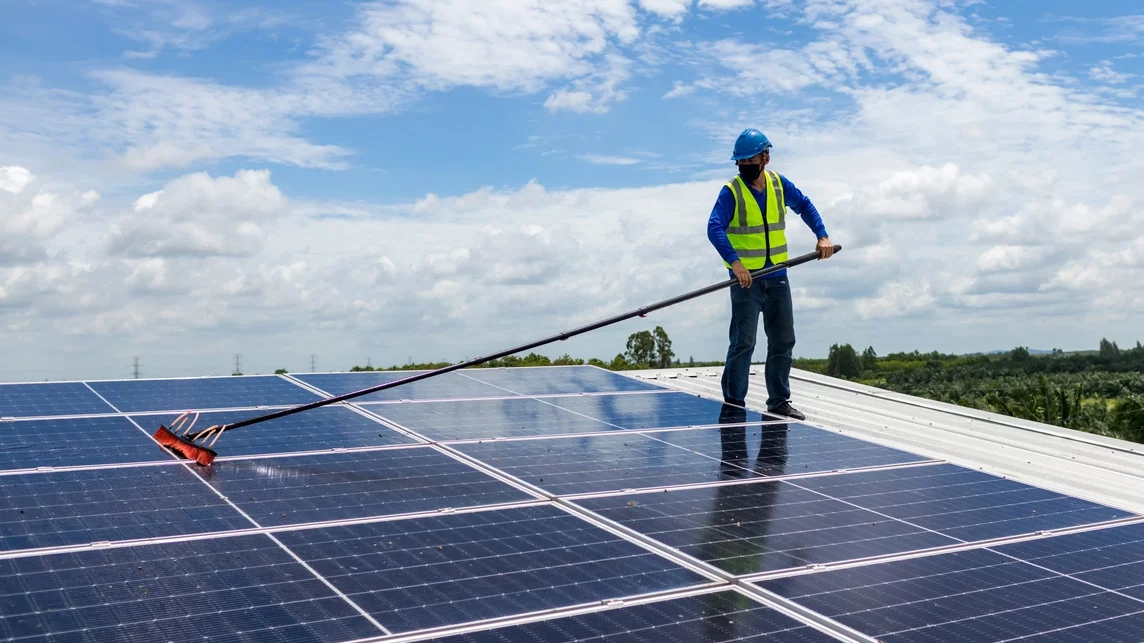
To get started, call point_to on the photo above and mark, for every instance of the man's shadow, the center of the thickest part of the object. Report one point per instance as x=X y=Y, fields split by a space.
x=772 y=457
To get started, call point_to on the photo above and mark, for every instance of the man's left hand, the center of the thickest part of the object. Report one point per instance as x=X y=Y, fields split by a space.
x=825 y=248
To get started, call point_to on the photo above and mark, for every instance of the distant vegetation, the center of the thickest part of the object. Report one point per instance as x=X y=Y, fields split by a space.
x=1100 y=391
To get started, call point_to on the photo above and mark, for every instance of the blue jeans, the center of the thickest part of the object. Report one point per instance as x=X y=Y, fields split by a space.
x=771 y=298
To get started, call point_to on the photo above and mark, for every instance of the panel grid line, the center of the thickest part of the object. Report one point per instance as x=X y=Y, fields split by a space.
x=787 y=607
x=272 y=537
x=261 y=530
x=945 y=549
x=547 y=615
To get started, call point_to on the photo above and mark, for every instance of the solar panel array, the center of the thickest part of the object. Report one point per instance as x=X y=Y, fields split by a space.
x=529 y=504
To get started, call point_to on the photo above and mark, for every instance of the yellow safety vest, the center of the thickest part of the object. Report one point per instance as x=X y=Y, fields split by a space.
x=752 y=236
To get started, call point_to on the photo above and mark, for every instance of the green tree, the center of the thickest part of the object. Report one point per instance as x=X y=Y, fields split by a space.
x=641 y=348
x=1109 y=350
x=842 y=361
x=280 y=371
x=869 y=360
x=1019 y=354
x=663 y=352
x=619 y=363
x=595 y=361
x=567 y=360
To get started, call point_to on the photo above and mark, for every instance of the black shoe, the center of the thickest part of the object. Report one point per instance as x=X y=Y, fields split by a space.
x=786 y=410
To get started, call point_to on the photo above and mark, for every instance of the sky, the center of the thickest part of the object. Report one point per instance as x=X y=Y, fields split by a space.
x=182 y=181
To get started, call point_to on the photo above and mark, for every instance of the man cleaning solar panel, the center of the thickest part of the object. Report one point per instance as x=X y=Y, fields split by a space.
x=748 y=228
x=749 y=234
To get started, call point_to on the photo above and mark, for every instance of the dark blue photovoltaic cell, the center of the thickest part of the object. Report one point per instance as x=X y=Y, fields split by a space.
x=62 y=398
x=720 y=617
x=598 y=463
x=483 y=419
x=975 y=595
x=439 y=387
x=762 y=526
x=784 y=449
x=196 y=394
x=429 y=572
x=962 y=503
x=28 y=444
x=653 y=410
x=326 y=427
x=233 y=589
x=1112 y=557
x=561 y=380
x=291 y=490
x=76 y=507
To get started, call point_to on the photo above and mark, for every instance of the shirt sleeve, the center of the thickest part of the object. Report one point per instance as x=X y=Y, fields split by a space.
x=799 y=202
x=720 y=218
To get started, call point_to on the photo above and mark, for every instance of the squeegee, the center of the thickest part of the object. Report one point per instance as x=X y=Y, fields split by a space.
x=197 y=446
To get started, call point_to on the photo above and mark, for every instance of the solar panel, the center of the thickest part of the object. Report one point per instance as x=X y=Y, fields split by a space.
x=656 y=410
x=565 y=379
x=440 y=387
x=715 y=617
x=962 y=503
x=80 y=507
x=598 y=463
x=62 y=398
x=65 y=442
x=133 y=396
x=368 y=532
x=976 y=595
x=337 y=486
x=483 y=419
x=1112 y=558
x=234 y=589
x=785 y=449
x=326 y=427
x=429 y=572
x=762 y=526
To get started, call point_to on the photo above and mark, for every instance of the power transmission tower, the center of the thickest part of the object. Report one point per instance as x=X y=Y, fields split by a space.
x=313 y=363
x=136 y=368
x=368 y=362
x=237 y=364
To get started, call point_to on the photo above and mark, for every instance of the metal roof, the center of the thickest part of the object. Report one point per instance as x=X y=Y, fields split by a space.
x=1085 y=465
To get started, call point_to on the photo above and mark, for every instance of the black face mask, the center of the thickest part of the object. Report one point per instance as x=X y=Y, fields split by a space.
x=750 y=172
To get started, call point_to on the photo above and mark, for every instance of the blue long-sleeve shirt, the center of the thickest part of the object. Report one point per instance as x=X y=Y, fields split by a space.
x=724 y=211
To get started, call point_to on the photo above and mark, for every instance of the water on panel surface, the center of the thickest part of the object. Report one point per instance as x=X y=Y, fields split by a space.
x=292 y=490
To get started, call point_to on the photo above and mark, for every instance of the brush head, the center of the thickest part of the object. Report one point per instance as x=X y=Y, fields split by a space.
x=183 y=447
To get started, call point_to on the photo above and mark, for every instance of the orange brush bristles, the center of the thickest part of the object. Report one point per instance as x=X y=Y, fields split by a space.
x=184 y=447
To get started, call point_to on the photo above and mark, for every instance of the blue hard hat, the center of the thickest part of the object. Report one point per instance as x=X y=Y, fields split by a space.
x=749 y=143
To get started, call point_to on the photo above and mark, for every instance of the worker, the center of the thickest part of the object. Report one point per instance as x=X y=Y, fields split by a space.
x=747 y=227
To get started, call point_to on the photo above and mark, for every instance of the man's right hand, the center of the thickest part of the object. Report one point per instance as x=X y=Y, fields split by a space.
x=742 y=274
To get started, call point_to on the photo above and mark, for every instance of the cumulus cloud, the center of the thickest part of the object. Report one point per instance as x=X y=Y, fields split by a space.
x=199 y=216
x=13 y=178
x=923 y=193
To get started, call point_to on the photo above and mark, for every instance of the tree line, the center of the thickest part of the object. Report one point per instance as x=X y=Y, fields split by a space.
x=1099 y=391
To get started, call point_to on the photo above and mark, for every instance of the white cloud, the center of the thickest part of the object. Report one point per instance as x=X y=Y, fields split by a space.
x=679 y=90
x=666 y=8
x=13 y=178
x=604 y=159
x=514 y=45
x=199 y=216
x=924 y=193
x=722 y=5
x=897 y=299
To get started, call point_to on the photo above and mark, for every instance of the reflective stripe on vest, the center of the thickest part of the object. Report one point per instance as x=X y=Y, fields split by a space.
x=756 y=237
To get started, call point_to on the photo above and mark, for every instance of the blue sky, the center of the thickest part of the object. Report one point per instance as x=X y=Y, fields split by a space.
x=357 y=178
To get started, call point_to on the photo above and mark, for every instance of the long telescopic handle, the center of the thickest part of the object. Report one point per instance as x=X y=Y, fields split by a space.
x=810 y=256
